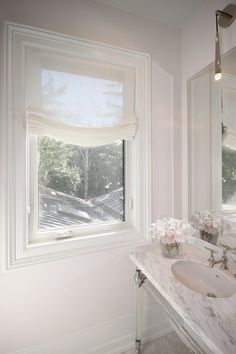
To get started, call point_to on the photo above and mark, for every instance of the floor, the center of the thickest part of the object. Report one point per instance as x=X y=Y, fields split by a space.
x=169 y=344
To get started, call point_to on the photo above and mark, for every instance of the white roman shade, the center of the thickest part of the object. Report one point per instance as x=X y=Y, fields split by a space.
x=81 y=100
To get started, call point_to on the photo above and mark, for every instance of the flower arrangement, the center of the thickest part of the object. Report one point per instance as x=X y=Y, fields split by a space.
x=170 y=230
x=171 y=233
x=210 y=222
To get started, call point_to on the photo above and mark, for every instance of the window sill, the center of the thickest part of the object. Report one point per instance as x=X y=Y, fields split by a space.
x=36 y=253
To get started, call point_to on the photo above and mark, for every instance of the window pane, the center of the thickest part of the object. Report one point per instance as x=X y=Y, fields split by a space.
x=228 y=178
x=79 y=185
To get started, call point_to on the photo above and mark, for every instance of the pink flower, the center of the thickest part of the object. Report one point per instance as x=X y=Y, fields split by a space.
x=209 y=221
x=170 y=230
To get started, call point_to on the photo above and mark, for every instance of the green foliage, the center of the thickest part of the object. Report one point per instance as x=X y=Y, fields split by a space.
x=85 y=172
x=55 y=168
x=64 y=179
x=228 y=173
x=102 y=170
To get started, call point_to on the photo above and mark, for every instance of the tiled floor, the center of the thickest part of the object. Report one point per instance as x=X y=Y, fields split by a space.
x=169 y=344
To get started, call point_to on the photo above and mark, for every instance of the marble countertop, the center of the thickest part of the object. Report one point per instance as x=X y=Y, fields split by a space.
x=213 y=319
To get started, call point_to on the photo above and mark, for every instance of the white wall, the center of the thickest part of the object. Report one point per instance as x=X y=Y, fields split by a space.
x=80 y=303
x=200 y=150
x=198 y=52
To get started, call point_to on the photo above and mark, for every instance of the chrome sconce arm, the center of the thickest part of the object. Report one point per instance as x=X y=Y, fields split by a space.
x=223 y=19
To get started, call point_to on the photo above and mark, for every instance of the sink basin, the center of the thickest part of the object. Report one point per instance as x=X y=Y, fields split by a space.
x=204 y=280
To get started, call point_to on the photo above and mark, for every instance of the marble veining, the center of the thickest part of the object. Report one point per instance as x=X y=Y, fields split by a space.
x=212 y=319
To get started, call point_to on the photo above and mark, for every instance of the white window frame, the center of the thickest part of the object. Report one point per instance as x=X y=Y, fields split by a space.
x=79 y=231
x=14 y=181
x=227 y=84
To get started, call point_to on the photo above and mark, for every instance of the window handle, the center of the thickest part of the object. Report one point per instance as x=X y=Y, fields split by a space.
x=61 y=235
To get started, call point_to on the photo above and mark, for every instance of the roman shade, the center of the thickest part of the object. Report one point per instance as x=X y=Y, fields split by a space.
x=78 y=99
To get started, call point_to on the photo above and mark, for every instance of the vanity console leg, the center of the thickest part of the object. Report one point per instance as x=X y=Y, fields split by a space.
x=138 y=346
x=139 y=280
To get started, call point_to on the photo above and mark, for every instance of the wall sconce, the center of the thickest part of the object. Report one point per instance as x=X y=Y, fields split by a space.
x=223 y=19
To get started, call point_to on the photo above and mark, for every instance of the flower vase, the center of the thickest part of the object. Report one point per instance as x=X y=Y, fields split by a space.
x=171 y=249
x=210 y=237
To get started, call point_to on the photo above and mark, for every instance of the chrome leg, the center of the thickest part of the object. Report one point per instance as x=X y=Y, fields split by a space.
x=139 y=280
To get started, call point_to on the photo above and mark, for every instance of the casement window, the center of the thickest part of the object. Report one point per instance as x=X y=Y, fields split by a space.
x=77 y=146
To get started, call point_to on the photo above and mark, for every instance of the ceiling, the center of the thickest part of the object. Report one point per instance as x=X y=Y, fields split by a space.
x=174 y=13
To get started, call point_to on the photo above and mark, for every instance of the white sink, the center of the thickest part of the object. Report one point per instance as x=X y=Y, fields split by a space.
x=204 y=280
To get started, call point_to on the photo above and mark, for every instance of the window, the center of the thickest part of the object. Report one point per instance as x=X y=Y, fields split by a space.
x=75 y=186
x=79 y=115
x=78 y=135
x=228 y=108
x=228 y=178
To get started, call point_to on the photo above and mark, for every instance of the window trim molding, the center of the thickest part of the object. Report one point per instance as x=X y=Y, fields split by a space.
x=216 y=146
x=17 y=252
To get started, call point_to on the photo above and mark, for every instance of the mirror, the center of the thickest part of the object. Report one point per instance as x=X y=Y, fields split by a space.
x=212 y=144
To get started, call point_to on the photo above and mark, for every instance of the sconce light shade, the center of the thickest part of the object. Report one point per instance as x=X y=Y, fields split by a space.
x=224 y=19
x=227 y=16
x=218 y=72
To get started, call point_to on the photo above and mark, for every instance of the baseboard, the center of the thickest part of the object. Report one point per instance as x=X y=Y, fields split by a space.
x=128 y=342
x=111 y=337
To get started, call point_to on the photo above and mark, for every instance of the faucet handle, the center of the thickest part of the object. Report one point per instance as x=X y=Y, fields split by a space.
x=225 y=247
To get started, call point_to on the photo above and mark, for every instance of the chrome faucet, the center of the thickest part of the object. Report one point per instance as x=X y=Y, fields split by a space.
x=222 y=260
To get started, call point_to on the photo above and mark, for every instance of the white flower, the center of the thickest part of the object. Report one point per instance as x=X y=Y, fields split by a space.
x=209 y=221
x=170 y=230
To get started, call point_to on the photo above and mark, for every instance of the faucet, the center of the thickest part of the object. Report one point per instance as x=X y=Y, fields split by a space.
x=222 y=260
